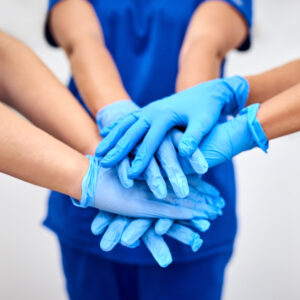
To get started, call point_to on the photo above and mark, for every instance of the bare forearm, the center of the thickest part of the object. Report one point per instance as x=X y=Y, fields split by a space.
x=95 y=74
x=214 y=30
x=29 y=87
x=32 y=155
x=280 y=115
x=93 y=68
x=200 y=63
x=265 y=85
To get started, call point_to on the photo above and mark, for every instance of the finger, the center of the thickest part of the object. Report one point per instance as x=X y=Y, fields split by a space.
x=135 y=245
x=196 y=202
x=162 y=226
x=200 y=224
x=125 y=144
x=203 y=187
x=155 y=180
x=115 y=134
x=123 y=168
x=211 y=194
x=174 y=208
x=167 y=158
x=197 y=159
x=186 y=236
x=134 y=231
x=191 y=138
x=177 y=210
x=147 y=148
x=158 y=248
x=100 y=222
x=113 y=233
x=104 y=131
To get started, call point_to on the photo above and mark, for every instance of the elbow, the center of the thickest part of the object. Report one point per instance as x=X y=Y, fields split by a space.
x=206 y=46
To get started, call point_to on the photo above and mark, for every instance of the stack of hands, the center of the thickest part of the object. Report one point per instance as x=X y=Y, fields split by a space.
x=166 y=146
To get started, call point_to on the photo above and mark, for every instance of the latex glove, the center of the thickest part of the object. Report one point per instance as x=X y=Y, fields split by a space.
x=101 y=189
x=230 y=138
x=128 y=232
x=198 y=109
x=166 y=156
x=105 y=118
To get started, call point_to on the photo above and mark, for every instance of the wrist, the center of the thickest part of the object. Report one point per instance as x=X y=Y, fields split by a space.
x=78 y=176
x=88 y=180
x=104 y=101
x=239 y=88
x=113 y=111
x=258 y=135
x=198 y=62
x=91 y=148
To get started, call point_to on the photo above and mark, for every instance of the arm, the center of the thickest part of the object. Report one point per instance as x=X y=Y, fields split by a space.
x=30 y=154
x=93 y=68
x=214 y=30
x=270 y=83
x=29 y=87
x=280 y=115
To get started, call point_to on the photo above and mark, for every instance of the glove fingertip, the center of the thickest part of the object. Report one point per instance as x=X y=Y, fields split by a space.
x=196 y=244
x=106 y=245
x=162 y=226
x=201 y=224
x=165 y=261
x=187 y=147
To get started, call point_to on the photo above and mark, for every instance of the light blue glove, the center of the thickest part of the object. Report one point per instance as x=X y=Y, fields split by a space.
x=198 y=109
x=230 y=138
x=101 y=189
x=128 y=231
x=166 y=156
x=105 y=118
x=168 y=159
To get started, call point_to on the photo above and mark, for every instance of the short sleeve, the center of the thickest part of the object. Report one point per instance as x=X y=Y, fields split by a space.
x=47 y=32
x=244 y=7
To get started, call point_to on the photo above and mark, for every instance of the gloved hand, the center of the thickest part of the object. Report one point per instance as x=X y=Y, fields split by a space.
x=230 y=138
x=166 y=155
x=168 y=159
x=101 y=189
x=198 y=109
x=128 y=231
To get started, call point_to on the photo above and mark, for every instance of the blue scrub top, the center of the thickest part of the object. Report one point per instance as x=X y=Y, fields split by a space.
x=144 y=39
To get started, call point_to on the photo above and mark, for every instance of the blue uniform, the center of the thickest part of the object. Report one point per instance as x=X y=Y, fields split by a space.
x=144 y=38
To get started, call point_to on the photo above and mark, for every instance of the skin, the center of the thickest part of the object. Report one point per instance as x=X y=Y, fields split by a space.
x=29 y=87
x=279 y=92
x=95 y=74
x=89 y=70
x=32 y=155
x=214 y=30
x=28 y=152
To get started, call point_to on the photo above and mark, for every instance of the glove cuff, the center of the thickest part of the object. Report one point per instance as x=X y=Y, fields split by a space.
x=255 y=128
x=89 y=184
x=104 y=116
x=239 y=87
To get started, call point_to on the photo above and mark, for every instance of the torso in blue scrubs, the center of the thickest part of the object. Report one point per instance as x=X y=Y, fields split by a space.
x=144 y=37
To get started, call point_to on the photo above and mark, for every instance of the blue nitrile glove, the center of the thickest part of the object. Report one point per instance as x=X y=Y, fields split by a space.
x=230 y=138
x=128 y=231
x=168 y=160
x=198 y=109
x=166 y=155
x=105 y=118
x=101 y=189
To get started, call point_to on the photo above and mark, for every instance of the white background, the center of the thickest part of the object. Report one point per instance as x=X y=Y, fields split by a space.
x=266 y=264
